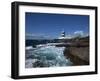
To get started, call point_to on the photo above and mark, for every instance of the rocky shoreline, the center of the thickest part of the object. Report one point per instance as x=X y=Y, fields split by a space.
x=77 y=51
x=78 y=55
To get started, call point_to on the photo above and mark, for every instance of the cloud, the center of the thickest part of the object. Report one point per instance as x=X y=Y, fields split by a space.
x=37 y=36
x=31 y=34
x=78 y=33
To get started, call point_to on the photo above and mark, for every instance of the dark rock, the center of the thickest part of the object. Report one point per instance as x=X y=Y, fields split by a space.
x=78 y=55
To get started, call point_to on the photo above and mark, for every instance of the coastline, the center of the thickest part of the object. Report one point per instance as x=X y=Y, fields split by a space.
x=78 y=52
x=79 y=56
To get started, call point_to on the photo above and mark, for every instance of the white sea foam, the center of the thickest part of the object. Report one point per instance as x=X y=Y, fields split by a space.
x=46 y=56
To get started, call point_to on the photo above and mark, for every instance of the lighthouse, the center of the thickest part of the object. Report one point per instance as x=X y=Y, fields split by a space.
x=63 y=33
x=64 y=36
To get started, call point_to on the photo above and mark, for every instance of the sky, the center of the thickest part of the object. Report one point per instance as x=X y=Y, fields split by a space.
x=51 y=25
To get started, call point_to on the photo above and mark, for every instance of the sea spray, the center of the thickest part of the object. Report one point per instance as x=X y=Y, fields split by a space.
x=46 y=56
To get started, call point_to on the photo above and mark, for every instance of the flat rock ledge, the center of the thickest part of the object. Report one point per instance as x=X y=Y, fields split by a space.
x=77 y=55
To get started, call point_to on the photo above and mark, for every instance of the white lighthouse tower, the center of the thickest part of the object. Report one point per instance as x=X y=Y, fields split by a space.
x=62 y=36
x=63 y=33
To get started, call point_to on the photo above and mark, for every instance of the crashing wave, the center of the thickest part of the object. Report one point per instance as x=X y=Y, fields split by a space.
x=46 y=56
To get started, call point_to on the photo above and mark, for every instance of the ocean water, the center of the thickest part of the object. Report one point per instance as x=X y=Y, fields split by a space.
x=46 y=56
